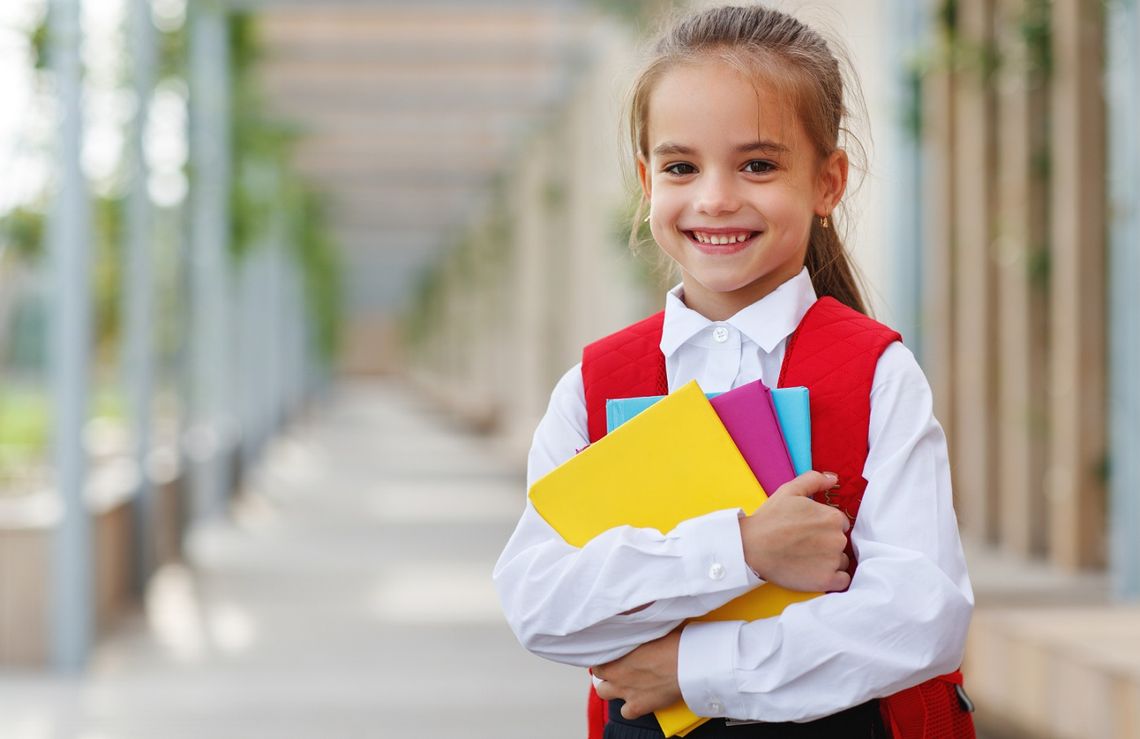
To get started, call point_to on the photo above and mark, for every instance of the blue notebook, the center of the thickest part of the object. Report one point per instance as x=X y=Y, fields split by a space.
x=793 y=411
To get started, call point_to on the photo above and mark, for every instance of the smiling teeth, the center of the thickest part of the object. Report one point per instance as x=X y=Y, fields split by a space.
x=721 y=238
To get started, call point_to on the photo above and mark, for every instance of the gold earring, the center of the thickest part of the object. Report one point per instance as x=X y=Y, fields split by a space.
x=823 y=221
x=646 y=219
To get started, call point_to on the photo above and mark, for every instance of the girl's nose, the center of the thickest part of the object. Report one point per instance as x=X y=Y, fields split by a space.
x=717 y=196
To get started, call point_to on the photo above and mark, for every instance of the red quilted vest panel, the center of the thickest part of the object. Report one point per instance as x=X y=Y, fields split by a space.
x=628 y=363
x=833 y=353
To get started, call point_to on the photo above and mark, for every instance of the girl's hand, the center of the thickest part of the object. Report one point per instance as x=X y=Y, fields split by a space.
x=646 y=678
x=794 y=541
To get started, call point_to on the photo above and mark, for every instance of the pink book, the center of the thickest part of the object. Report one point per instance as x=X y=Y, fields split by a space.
x=750 y=418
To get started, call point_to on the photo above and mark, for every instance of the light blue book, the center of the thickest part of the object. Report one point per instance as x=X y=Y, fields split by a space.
x=793 y=411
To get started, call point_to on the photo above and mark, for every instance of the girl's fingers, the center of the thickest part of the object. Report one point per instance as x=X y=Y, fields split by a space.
x=605 y=690
x=839 y=581
x=808 y=484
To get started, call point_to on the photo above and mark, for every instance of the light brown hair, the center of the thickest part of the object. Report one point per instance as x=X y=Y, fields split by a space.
x=776 y=49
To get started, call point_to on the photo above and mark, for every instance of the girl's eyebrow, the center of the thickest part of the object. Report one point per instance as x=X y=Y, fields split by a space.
x=764 y=145
x=669 y=148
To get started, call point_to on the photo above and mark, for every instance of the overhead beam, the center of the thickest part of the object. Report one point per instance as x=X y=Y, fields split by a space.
x=467 y=52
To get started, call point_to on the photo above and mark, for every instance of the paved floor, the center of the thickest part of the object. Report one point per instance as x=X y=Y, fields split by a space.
x=349 y=596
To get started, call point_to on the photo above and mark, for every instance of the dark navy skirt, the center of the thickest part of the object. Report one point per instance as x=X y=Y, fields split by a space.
x=860 y=722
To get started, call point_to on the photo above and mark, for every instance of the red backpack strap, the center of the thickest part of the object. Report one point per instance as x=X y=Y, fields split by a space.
x=597 y=714
x=933 y=710
x=625 y=364
x=834 y=353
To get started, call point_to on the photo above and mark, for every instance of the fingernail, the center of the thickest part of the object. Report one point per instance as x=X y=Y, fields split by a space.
x=834 y=477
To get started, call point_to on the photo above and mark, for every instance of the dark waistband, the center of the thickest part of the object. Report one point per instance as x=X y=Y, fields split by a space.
x=859 y=722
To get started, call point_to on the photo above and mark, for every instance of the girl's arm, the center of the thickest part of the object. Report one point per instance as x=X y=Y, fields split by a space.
x=626 y=587
x=905 y=616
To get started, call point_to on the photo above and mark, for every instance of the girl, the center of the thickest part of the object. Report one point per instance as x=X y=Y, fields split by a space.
x=735 y=127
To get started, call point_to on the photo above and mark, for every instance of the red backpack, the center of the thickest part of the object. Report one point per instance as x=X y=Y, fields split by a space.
x=833 y=353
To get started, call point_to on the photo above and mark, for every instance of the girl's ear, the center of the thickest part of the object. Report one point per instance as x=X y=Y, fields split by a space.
x=644 y=178
x=832 y=182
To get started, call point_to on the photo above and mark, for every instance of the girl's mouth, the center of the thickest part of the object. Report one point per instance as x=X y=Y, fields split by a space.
x=721 y=242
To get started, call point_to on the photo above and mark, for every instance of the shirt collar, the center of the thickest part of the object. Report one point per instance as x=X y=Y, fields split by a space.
x=766 y=322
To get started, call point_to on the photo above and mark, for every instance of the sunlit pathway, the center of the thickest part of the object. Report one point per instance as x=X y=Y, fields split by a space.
x=350 y=596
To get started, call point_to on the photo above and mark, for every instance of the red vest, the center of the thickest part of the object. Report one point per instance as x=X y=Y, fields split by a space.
x=833 y=353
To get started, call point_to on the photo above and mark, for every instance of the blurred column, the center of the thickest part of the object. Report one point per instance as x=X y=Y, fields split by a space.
x=975 y=340
x=277 y=327
x=909 y=21
x=528 y=387
x=138 y=284
x=939 y=230
x=299 y=315
x=1020 y=199
x=209 y=255
x=1078 y=441
x=1123 y=88
x=251 y=361
x=69 y=238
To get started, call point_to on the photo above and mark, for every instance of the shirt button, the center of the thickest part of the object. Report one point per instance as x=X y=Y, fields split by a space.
x=715 y=708
x=717 y=572
x=720 y=334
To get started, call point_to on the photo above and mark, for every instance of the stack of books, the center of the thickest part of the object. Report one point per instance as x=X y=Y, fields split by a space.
x=667 y=459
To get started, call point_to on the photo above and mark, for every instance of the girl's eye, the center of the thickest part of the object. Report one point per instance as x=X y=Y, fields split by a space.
x=759 y=166
x=680 y=168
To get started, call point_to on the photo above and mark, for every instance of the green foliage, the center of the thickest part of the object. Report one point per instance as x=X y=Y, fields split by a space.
x=39 y=43
x=1040 y=267
x=22 y=231
x=264 y=183
x=948 y=18
x=554 y=194
x=912 y=120
x=24 y=419
x=25 y=429
x=1036 y=32
x=245 y=49
x=259 y=145
x=320 y=268
x=984 y=59
x=107 y=274
x=979 y=58
x=426 y=305
x=172 y=53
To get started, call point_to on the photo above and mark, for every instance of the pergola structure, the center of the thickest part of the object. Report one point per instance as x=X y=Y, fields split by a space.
x=408 y=110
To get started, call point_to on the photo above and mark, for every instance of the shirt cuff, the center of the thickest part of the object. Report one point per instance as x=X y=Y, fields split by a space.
x=718 y=563
x=706 y=666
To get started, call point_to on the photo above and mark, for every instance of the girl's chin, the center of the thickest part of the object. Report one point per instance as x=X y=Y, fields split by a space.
x=715 y=284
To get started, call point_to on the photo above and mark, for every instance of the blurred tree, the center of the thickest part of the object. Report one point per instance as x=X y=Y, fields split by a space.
x=264 y=182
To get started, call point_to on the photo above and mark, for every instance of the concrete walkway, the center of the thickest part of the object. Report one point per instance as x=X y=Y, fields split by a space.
x=349 y=596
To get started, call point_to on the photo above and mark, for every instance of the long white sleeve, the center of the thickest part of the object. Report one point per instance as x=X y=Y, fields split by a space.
x=565 y=603
x=905 y=616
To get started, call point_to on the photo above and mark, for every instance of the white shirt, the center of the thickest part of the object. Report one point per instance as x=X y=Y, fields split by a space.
x=902 y=621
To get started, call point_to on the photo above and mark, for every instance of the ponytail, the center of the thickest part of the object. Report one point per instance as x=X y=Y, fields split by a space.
x=830 y=268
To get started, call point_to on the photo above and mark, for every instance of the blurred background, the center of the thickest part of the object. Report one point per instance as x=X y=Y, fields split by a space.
x=285 y=285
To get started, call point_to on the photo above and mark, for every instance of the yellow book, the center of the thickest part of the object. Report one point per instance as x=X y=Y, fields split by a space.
x=672 y=462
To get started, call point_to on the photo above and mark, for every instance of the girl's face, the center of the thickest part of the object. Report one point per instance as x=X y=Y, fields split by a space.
x=733 y=184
